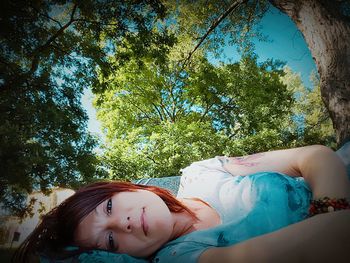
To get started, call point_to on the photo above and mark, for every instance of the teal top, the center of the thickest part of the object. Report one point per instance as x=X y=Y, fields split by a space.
x=249 y=206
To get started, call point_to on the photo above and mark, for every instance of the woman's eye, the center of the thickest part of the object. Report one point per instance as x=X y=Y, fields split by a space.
x=111 y=241
x=109 y=206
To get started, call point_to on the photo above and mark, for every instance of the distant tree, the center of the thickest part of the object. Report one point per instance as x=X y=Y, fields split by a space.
x=323 y=23
x=160 y=117
x=309 y=121
x=50 y=51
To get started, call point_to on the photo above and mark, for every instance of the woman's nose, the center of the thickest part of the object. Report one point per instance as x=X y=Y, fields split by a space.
x=123 y=224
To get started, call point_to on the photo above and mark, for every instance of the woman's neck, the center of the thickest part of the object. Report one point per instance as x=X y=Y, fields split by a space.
x=185 y=223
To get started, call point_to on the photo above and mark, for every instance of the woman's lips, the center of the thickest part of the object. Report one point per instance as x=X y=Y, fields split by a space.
x=143 y=222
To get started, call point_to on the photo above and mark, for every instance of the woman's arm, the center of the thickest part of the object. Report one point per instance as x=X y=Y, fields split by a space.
x=322 y=238
x=322 y=169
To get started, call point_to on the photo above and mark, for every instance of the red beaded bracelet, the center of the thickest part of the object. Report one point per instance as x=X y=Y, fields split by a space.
x=326 y=204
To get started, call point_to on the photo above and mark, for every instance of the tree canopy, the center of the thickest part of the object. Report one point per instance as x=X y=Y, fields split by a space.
x=160 y=117
x=50 y=51
x=162 y=103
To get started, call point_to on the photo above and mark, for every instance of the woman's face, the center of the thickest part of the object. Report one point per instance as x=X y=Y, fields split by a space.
x=135 y=223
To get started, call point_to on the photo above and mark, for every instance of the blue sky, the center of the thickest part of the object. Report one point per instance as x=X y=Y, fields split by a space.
x=285 y=43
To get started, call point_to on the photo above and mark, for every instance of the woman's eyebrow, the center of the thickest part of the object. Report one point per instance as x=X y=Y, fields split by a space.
x=97 y=212
x=99 y=236
x=100 y=240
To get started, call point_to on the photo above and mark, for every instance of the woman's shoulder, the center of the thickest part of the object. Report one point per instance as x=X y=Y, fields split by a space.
x=201 y=173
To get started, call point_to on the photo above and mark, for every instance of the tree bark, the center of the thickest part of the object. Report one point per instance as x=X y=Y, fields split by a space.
x=327 y=33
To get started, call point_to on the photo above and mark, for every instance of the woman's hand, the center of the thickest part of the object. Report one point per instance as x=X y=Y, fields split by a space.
x=321 y=168
x=322 y=238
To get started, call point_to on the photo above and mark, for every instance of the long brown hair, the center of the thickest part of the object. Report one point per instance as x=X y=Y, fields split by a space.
x=56 y=230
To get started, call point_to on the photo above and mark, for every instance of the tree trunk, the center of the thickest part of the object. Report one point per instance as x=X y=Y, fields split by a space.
x=327 y=33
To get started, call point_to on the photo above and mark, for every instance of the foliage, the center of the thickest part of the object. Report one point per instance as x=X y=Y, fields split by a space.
x=309 y=122
x=159 y=118
x=158 y=114
x=240 y=27
x=50 y=51
x=196 y=17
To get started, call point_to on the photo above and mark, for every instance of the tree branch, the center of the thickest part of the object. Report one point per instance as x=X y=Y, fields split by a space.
x=232 y=7
x=207 y=109
x=159 y=113
x=47 y=16
x=35 y=61
x=152 y=159
x=97 y=22
x=166 y=112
